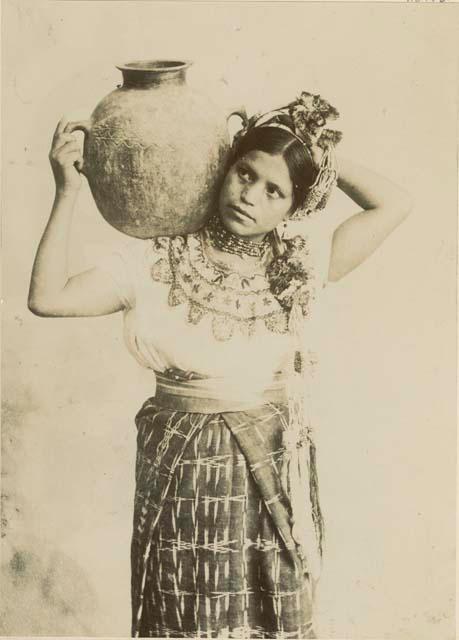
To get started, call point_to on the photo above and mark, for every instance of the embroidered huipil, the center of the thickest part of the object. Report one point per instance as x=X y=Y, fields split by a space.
x=183 y=311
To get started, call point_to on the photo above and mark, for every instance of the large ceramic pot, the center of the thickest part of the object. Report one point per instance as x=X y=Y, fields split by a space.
x=155 y=151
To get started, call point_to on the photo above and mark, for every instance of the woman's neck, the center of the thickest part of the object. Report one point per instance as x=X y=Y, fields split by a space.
x=236 y=261
x=229 y=242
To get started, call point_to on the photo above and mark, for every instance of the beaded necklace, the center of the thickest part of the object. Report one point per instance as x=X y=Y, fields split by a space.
x=230 y=242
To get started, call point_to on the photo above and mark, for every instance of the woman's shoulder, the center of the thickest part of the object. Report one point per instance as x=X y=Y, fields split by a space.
x=151 y=249
x=163 y=243
x=136 y=263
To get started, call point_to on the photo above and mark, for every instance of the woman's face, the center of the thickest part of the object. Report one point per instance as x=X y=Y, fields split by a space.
x=256 y=196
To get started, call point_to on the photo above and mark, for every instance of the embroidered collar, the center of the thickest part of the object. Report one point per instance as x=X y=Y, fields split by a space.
x=235 y=302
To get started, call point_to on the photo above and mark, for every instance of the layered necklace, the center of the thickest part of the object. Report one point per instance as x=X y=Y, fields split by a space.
x=230 y=242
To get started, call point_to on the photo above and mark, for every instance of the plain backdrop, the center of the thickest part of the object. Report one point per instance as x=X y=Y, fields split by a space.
x=387 y=333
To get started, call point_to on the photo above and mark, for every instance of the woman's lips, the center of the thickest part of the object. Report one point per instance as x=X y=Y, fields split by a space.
x=241 y=212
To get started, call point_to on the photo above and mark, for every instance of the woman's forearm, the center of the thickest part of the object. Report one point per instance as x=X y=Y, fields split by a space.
x=52 y=293
x=368 y=189
x=383 y=205
x=50 y=269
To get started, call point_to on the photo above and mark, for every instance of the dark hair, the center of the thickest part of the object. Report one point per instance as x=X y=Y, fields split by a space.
x=280 y=142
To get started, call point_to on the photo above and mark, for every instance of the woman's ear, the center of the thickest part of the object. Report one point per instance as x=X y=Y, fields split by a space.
x=282 y=227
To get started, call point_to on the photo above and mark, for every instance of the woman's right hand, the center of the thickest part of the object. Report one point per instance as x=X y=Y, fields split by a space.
x=66 y=159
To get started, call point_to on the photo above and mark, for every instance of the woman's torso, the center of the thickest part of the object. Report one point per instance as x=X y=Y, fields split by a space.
x=185 y=310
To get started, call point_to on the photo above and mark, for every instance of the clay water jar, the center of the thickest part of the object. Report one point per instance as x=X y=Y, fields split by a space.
x=155 y=151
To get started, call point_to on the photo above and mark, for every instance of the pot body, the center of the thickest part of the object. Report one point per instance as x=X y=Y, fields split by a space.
x=155 y=152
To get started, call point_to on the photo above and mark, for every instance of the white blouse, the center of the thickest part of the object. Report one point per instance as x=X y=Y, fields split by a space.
x=181 y=311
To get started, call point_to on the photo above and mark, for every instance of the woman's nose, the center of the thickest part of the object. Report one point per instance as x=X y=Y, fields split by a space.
x=249 y=194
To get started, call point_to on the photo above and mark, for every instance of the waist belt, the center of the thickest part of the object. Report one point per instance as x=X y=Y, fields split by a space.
x=214 y=395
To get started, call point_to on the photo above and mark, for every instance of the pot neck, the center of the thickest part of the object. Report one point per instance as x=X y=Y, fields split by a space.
x=151 y=73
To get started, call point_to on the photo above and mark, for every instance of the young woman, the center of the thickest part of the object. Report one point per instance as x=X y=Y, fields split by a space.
x=227 y=525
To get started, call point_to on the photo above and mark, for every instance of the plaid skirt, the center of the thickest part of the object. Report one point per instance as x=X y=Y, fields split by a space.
x=212 y=552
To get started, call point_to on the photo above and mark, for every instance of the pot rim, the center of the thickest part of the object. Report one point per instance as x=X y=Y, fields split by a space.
x=154 y=65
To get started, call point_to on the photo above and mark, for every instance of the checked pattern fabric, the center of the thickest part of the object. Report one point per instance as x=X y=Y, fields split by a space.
x=212 y=553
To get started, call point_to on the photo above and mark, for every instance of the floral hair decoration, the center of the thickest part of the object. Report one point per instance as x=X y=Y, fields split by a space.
x=304 y=118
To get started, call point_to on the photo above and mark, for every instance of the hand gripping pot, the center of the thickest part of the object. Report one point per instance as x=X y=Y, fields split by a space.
x=155 y=151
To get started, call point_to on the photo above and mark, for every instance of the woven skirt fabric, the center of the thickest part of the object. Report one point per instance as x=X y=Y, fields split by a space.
x=211 y=556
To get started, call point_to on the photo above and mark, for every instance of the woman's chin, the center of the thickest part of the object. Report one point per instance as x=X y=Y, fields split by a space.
x=236 y=224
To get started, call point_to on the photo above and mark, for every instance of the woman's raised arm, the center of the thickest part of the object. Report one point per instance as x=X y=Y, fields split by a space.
x=52 y=292
x=384 y=207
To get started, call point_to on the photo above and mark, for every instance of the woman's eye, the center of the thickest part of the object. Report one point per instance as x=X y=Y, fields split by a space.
x=243 y=173
x=273 y=192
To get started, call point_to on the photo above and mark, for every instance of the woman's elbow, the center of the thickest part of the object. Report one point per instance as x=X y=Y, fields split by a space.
x=39 y=307
x=398 y=207
x=401 y=202
x=398 y=202
x=34 y=307
x=405 y=204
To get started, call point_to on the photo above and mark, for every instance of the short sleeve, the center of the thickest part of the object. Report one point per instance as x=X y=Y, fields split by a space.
x=126 y=268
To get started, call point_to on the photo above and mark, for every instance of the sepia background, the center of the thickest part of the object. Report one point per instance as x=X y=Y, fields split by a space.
x=387 y=334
